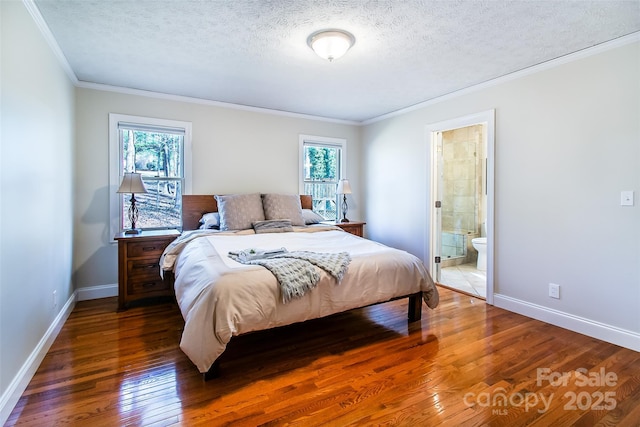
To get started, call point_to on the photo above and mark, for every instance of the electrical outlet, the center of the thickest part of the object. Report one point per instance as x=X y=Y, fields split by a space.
x=554 y=290
x=626 y=198
x=55 y=299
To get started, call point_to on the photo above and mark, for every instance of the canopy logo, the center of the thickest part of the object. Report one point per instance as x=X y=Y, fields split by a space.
x=500 y=401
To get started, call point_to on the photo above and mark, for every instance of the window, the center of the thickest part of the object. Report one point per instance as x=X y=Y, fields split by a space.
x=160 y=150
x=322 y=163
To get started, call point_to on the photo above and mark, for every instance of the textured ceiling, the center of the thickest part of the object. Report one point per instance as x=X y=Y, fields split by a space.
x=254 y=52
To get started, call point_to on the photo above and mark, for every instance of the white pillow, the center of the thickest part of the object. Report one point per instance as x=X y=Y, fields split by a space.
x=239 y=211
x=283 y=206
x=210 y=220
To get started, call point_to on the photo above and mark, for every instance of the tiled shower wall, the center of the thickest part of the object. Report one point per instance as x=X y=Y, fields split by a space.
x=462 y=201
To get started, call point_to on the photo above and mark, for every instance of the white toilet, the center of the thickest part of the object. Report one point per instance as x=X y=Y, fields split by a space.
x=480 y=245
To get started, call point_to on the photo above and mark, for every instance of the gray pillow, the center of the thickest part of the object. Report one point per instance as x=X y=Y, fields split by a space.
x=283 y=206
x=310 y=217
x=239 y=211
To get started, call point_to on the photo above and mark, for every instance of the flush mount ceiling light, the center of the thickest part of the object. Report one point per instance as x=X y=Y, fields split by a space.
x=331 y=44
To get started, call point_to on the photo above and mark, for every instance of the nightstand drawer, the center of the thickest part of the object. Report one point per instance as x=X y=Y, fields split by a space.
x=151 y=248
x=355 y=229
x=141 y=286
x=139 y=268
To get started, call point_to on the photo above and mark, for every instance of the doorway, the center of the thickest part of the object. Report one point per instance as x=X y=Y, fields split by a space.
x=461 y=242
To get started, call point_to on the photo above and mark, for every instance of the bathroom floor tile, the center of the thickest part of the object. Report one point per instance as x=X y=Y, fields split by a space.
x=466 y=278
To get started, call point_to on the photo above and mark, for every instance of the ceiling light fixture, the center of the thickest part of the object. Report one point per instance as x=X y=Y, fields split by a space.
x=331 y=44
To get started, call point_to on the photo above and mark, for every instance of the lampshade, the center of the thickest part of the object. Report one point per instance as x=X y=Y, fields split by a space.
x=344 y=187
x=331 y=44
x=132 y=183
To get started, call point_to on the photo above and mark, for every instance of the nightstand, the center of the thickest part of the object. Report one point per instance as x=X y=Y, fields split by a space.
x=138 y=266
x=354 y=227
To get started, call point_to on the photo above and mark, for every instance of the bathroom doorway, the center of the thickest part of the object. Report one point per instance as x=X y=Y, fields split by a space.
x=462 y=200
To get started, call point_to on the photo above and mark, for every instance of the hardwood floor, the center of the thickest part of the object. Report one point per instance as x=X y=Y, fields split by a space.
x=465 y=363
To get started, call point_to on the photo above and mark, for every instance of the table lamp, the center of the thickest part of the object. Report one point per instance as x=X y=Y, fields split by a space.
x=344 y=188
x=132 y=183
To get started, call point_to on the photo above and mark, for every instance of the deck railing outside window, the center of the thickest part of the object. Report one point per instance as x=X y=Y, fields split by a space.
x=324 y=198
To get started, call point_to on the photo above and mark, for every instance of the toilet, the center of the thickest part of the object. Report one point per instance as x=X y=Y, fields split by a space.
x=480 y=245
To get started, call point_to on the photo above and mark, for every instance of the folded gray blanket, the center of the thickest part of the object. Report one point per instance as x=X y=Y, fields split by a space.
x=295 y=271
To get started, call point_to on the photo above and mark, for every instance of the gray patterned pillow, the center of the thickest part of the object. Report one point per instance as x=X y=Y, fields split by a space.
x=239 y=211
x=283 y=206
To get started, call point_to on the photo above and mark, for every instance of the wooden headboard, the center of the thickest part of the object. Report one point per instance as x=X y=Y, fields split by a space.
x=194 y=206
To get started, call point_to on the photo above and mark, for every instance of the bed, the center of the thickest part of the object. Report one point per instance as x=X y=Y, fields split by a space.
x=220 y=297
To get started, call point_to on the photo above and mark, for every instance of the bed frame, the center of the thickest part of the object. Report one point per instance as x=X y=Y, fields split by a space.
x=194 y=206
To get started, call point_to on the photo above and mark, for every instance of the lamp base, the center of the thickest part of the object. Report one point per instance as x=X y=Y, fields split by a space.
x=133 y=231
x=345 y=208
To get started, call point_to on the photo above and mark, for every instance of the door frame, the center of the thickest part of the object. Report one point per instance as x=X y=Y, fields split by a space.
x=486 y=118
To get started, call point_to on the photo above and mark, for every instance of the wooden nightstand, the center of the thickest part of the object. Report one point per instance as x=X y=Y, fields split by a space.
x=354 y=227
x=138 y=266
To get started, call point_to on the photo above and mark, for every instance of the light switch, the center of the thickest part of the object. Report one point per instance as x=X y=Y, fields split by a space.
x=626 y=198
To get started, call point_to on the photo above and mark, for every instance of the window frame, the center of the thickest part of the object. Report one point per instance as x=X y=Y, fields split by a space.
x=327 y=142
x=116 y=163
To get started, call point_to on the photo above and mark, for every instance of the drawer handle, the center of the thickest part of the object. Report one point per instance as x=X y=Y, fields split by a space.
x=145 y=266
x=148 y=285
x=148 y=248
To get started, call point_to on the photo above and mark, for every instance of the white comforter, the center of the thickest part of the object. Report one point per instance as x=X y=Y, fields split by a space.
x=220 y=298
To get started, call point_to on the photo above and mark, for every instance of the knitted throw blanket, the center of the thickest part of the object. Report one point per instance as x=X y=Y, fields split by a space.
x=295 y=271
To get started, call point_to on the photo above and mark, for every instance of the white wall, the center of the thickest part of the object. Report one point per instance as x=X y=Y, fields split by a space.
x=233 y=151
x=567 y=142
x=37 y=116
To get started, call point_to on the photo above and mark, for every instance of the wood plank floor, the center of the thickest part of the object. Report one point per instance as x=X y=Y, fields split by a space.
x=464 y=364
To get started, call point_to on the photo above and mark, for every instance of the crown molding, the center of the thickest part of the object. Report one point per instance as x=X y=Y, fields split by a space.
x=48 y=36
x=191 y=100
x=584 y=53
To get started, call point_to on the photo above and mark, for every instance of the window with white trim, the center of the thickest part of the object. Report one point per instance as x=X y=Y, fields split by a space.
x=160 y=150
x=322 y=165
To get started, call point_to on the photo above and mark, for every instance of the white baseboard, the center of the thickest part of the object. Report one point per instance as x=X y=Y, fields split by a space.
x=601 y=331
x=96 y=292
x=20 y=382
